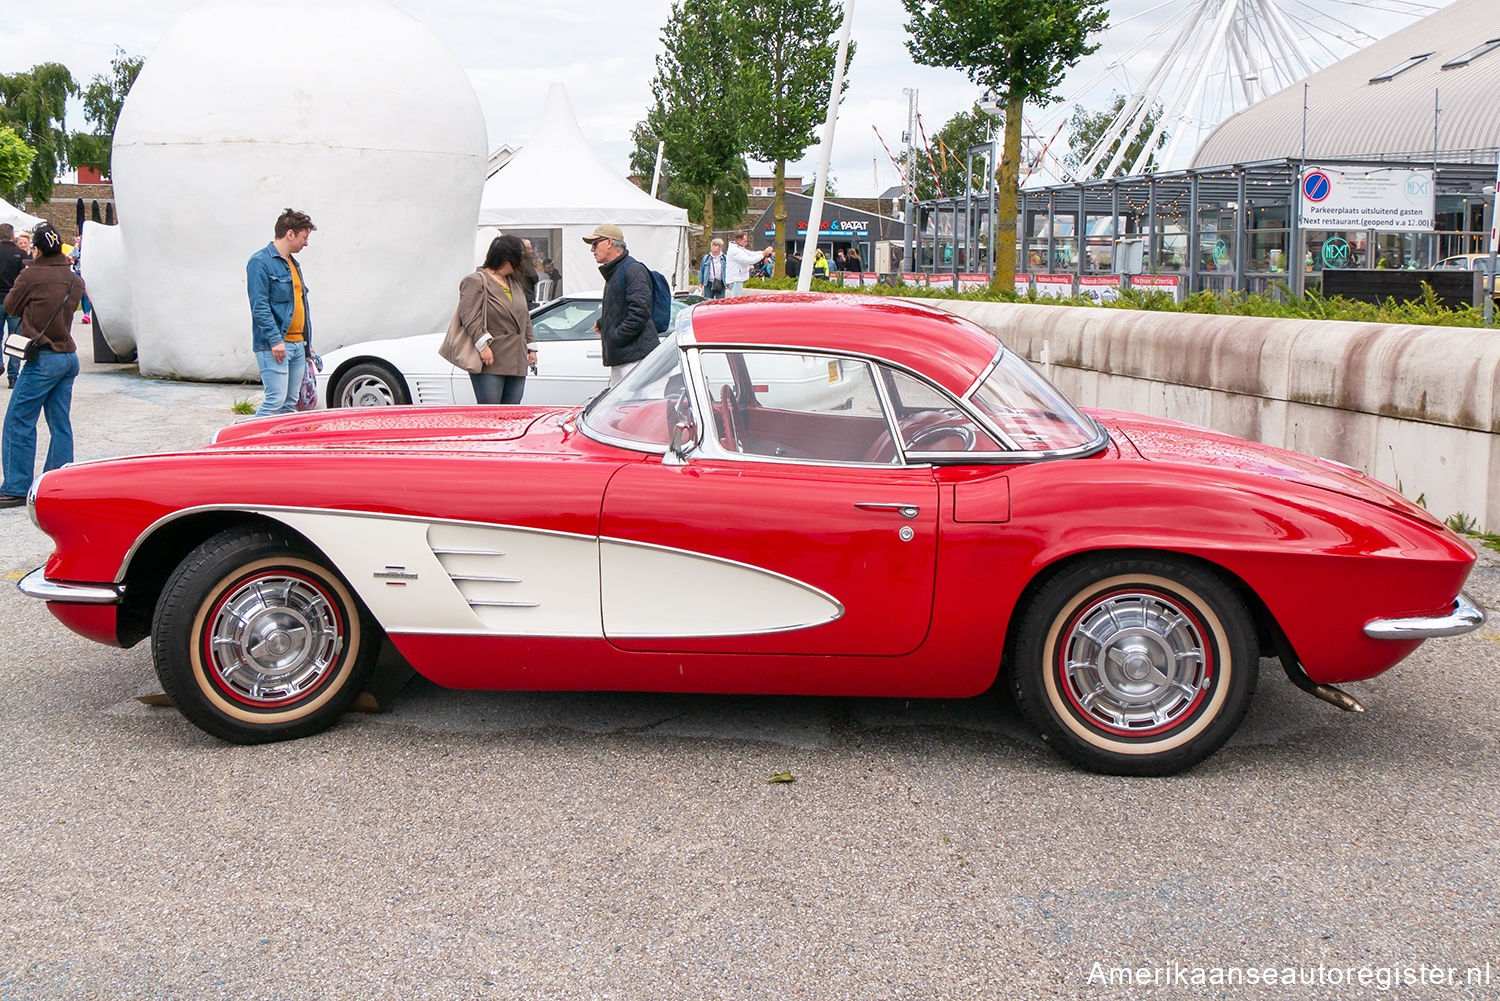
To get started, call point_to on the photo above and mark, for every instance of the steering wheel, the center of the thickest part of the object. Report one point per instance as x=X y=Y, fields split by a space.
x=920 y=431
x=731 y=431
x=952 y=425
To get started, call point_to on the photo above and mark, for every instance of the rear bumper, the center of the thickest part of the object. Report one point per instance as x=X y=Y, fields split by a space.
x=36 y=585
x=1463 y=618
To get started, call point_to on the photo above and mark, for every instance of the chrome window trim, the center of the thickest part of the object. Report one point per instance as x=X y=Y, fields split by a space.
x=688 y=345
x=709 y=443
x=682 y=334
x=965 y=405
x=892 y=426
x=1100 y=439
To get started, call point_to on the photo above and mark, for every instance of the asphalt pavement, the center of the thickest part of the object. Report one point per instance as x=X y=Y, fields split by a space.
x=493 y=845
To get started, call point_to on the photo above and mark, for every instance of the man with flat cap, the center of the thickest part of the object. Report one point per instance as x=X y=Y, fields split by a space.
x=626 y=332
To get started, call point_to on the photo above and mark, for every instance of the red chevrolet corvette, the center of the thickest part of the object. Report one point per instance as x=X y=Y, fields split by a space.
x=793 y=495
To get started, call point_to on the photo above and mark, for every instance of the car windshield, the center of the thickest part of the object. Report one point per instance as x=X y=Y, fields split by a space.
x=1028 y=410
x=643 y=407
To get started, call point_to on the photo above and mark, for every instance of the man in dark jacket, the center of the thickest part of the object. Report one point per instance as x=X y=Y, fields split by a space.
x=625 y=329
x=12 y=260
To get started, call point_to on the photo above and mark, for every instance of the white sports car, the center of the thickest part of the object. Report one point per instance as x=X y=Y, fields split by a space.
x=569 y=370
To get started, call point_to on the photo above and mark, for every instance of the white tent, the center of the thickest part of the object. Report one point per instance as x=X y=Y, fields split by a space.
x=556 y=182
x=20 y=220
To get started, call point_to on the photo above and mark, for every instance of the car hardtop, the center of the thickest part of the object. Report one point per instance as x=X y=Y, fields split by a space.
x=948 y=349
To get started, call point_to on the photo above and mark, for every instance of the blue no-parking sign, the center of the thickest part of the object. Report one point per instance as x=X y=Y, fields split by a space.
x=1316 y=186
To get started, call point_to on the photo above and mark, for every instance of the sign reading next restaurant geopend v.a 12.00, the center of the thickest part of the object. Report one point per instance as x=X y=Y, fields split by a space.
x=1389 y=198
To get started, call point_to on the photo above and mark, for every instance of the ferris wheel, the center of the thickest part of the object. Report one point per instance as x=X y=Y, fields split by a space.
x=1224 y=56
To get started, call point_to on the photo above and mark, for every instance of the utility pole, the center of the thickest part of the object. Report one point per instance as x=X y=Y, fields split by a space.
x=908 y=259
x=825 y=154
x=1490 y=285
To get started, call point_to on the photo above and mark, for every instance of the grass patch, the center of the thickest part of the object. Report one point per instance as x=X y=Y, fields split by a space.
x=242 y=407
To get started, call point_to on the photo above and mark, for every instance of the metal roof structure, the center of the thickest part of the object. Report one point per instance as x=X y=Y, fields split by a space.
x=1430 y=91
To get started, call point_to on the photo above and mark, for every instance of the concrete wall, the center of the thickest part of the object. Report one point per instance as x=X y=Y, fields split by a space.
x=1416 y=407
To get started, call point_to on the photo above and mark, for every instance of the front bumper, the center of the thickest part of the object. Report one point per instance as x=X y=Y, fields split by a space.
x=36 y=585
x=1465 y=617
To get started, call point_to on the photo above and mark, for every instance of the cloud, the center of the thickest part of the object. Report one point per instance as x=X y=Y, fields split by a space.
x=605 y=54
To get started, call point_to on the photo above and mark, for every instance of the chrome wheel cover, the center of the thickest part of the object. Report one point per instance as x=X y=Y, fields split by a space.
x=1135 y=663
x=272 y=639
x=367 y=391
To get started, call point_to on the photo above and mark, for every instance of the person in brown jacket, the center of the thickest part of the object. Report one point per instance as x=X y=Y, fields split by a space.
x=492 y=310
x=44 y=296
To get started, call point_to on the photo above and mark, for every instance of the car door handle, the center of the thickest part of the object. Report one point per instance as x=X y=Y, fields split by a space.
x=904 y=510
x=593 y=354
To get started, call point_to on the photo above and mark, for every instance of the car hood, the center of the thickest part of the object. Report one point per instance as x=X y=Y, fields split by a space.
x=388 y=427
x=1157 y=439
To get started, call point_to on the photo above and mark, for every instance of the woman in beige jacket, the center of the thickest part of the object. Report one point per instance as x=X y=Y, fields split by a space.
x=492 y=310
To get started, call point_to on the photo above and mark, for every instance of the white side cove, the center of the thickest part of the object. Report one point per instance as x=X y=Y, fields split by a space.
x=420 y=576
x=348 y=110
x=652 y=591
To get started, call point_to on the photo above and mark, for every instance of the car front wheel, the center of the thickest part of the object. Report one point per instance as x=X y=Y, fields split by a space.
x=370 y=384
x=1135 y=666
x=256 y=640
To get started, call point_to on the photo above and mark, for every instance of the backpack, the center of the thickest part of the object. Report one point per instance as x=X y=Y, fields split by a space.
x=661 y=298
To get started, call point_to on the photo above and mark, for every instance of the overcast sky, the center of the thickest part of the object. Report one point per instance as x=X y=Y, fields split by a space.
x=604 y=53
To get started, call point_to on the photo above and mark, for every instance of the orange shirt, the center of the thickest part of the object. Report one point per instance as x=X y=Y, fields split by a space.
x=299 y=313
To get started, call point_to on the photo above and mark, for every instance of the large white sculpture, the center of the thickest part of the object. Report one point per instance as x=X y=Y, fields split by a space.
x=348 y=110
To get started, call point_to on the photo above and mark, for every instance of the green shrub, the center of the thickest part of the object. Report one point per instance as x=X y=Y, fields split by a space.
x=1278 y=302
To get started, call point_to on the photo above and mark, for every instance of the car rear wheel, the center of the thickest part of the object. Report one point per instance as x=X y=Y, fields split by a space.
x=370 y=384
x=256 y=640
x=1135 y=666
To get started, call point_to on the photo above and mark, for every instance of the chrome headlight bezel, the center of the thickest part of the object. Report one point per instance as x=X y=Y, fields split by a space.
x=31 y=500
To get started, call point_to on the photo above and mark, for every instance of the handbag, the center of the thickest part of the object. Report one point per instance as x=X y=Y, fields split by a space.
x=18 y=345
x=458 y=350
x=307 y=393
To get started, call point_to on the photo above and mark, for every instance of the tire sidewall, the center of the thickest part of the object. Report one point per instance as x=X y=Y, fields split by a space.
x=197 y=586
x=1224 y=627
x=397 y=385
x=329 y=687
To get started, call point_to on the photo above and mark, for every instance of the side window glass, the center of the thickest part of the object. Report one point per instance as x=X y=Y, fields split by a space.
x=569 y=321
x=798 y=407
x=930 y=421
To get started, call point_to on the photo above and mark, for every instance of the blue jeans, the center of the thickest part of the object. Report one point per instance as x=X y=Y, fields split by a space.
x=45 y=387
x=506 y=389
x=282 y=379
x=10 y=324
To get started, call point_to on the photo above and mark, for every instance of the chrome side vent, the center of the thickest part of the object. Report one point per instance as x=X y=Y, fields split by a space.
x=491 y=582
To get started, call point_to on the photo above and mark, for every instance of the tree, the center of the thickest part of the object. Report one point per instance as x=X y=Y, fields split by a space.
x=786 y=52
x=34 y=103
x=1087 y=128
x=699 y=100
x=1018 y=50
x=102 y=100
x=948 y=155
x=15 y=160
x=730 y=191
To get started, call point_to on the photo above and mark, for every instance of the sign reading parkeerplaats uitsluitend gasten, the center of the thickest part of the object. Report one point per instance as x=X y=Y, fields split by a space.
x=1388 y=198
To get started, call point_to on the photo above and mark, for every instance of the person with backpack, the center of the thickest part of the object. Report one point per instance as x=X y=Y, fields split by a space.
x=627 y=328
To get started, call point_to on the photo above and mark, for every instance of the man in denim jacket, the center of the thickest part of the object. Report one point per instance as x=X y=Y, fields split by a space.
x=281 y=324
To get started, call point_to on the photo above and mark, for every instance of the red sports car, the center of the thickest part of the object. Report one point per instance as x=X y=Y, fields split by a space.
x=793 y=495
